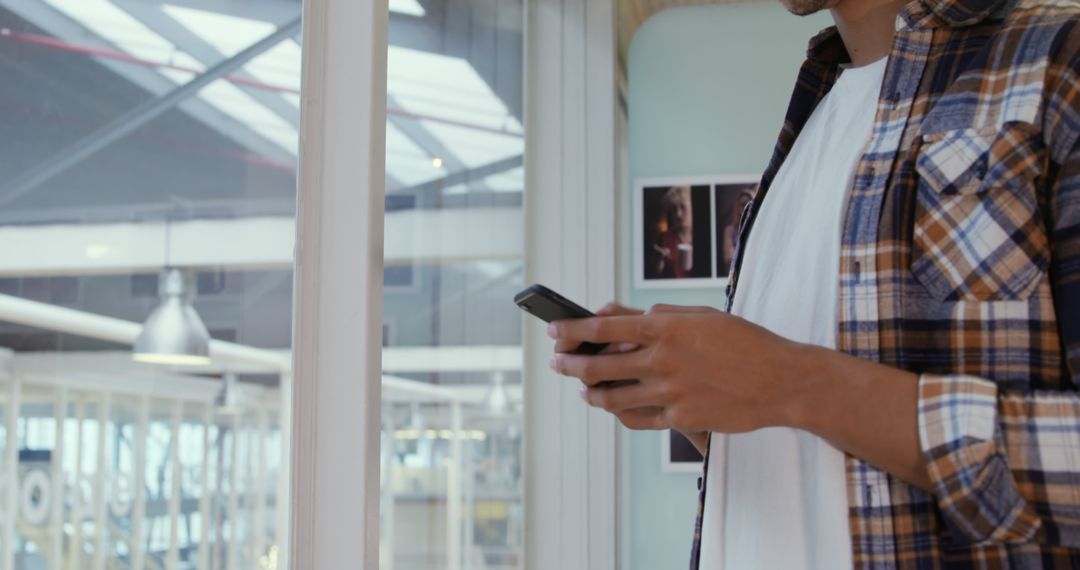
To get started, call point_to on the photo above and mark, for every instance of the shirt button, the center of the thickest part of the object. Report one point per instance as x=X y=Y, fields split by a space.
x=980 y=170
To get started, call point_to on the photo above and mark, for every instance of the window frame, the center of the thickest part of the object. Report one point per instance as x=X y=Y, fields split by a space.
x=337 y=324
x=572 y=485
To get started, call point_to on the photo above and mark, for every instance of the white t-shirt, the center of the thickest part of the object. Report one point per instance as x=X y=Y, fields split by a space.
x=777 y=497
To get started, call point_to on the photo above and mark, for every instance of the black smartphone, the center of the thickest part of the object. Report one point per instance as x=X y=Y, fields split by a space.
x=549 y=306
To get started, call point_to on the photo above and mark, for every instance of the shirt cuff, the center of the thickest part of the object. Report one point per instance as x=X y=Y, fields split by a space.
x=959 y=434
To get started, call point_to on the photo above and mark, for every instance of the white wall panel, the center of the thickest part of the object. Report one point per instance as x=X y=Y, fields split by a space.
x=571 y=482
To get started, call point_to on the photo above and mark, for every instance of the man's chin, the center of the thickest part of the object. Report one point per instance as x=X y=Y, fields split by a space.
x=804 y=7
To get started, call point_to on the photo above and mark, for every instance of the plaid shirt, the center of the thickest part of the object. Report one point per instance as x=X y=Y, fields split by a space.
x=960 y=261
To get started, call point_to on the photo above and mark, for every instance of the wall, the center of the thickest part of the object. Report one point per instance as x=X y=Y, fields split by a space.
x=708 y=87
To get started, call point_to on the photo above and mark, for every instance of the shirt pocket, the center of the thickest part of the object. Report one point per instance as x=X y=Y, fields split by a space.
x=978 y=233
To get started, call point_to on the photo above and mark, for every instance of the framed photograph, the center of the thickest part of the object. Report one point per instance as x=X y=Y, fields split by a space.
x=681 y=230
x=729 y=201
x=677 y=454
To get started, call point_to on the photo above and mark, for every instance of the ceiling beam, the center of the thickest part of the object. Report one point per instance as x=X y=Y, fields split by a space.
x=138 y=117
x=485 y=33
x=155 y=18
x=412 y=236
x=43 y=16
x=427 y=142
x=467 y=177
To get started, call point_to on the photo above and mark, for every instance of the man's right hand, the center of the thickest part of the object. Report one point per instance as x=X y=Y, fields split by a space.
x=608 y=310
x=639 y=418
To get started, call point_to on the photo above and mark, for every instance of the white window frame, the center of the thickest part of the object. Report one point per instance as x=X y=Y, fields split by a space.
x=571 y=481
x=337 y=328
x=571 y=451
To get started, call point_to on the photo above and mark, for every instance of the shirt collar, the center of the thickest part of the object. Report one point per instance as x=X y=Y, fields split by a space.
x=950 y=13
x=827 y=47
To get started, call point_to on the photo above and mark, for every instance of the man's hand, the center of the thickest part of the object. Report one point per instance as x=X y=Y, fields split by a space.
x=608 y=310
x=644 y=418
x=704 y=370
x=641 y=418
x=707 y=371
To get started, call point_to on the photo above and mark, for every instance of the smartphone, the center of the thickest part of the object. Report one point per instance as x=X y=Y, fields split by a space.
x=549 y=306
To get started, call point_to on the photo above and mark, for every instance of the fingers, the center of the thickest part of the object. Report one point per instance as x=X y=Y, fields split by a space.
x=625 y=397
x=566 y=346
x=596 y=368
x=569 y=346
x=662 y=308
x=618 y=329
x=615 y=309
x=642 y=419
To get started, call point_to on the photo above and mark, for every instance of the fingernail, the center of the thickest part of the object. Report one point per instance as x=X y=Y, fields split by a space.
x=584 y=393
x=553 y=363
x=552 y=330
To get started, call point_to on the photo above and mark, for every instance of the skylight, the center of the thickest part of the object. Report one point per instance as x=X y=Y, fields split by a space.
x=249 y=112
x=446 y=87
x=278 y=67
x=130 y=35
x=444 y=94
x=475 y=147
x=121 y=29
x=228 y=34
x=456 y=106
x=407 y=7
x=406 y=162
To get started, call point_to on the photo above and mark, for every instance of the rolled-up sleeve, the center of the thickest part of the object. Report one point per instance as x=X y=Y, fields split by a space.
x=1005 y=466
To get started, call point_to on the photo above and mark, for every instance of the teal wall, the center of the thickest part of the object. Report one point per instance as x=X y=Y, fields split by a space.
x=708 y=87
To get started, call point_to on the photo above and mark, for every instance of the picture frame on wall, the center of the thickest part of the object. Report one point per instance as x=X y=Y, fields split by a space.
x=677 y=454
x=729 y=203
x=685 y=229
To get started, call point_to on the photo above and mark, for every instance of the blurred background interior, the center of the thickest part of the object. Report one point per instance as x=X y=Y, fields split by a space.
x=147 y=218
x=117 y=169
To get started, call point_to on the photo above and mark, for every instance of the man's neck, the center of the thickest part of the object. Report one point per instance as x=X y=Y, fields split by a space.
x=867 y=27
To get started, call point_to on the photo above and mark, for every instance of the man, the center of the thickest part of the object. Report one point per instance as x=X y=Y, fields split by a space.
x=913 y=398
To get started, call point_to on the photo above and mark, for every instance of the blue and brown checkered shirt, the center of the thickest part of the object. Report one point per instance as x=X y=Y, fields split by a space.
x=960 y=261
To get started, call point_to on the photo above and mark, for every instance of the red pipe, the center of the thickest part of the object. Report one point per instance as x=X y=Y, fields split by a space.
x=58 y=44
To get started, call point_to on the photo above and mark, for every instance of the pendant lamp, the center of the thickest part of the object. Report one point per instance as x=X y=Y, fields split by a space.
x=173 y=333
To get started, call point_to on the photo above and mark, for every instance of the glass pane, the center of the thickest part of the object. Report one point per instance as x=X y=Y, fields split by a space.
x=149 y=193
x=452 y=414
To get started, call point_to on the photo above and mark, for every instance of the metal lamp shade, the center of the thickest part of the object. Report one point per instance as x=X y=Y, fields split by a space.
x=173 y=333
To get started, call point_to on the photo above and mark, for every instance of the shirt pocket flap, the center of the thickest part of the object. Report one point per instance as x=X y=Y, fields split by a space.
x=967 y=161
x=978 y=232
x=955 y=162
